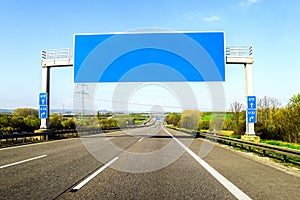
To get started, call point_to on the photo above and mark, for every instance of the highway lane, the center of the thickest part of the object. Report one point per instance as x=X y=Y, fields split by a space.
x=46 y=177
x=258 y=180
x=182 y=179
x=68 y=162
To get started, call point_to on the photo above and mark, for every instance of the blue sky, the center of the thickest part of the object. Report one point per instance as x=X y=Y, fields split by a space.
x=27 y=27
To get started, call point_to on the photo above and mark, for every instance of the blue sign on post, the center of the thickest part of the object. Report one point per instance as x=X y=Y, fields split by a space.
x=43 y=99
x=251 y=109
x=43 y=105
x=165 y=56
x=43 y=112
x=251 y=102
x=251 y=116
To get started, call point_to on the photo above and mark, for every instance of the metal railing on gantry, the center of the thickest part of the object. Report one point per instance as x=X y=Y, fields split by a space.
x=57 y=57
x=243 y=51
x=64 y=57
x=239 y=55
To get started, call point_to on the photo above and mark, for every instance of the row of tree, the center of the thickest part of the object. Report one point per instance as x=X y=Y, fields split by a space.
x=21 y=120
x=107 y=121
x=274 y=122
x=279 y=123
x=27 y=120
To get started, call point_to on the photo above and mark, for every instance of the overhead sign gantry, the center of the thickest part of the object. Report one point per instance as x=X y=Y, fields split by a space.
x=183 y=57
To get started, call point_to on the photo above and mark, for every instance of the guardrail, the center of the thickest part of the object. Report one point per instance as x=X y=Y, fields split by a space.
x=265 y=148
x=23 y=138
x=17 y=138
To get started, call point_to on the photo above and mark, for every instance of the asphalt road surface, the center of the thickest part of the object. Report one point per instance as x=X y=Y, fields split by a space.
x=143 y=163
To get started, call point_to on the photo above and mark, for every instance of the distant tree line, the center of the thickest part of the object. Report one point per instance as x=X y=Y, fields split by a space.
x=274 y=122
x=27 y=120
x=109 y=120
x=20 y=120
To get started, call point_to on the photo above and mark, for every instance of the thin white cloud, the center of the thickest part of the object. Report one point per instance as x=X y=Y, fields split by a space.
x=211 y=18
x=201 y=16
x=248 y=2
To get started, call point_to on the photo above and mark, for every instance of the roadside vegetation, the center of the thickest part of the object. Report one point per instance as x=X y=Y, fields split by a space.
x=282 y=144
x=24 y=120
x=111 y=121
x=275 y=122
x=20 y=120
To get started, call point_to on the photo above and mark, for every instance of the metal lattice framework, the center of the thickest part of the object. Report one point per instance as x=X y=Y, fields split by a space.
x=239 y=51
x=239 y=55
x=57 y=57
x=64 y=57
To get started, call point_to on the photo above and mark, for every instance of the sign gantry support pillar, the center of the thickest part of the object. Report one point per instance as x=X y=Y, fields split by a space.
x=51 y=58
x=249 y=92
x=45 y=122
x=244 y=55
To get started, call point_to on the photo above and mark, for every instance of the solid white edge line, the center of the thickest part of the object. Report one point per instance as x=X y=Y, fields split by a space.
x=108 y=138
x=22 y=161
x=35 y=144
x=85 y=181
x=140 y=139
x=239 y=194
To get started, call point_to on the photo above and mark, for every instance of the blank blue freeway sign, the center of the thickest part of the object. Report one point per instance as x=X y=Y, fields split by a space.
x=149 y=57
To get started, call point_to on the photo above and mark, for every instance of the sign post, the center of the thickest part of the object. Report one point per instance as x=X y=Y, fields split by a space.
x=244 y=55
x=251 y=101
